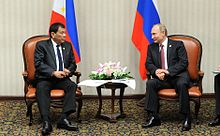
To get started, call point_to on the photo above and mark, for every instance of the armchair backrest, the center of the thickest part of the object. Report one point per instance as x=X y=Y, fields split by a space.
x=194 y=53
x=28 y=54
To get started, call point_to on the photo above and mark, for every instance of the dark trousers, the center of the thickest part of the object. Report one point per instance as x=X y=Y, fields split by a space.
x=180 y=84
x=217 y=93
x=43 y=95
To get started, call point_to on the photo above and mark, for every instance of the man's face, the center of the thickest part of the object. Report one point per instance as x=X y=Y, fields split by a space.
x=60 y=36
x=157 y=35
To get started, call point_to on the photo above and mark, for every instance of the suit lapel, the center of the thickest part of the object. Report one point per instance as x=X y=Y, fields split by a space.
x=169 y=48
x=157 y=54
x=51 y=50
x=63 y=52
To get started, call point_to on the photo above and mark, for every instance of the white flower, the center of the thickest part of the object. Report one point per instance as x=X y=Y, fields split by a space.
x=110 y=70
x=94 y=72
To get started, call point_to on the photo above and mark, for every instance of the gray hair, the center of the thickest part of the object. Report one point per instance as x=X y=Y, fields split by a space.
x=162 y=28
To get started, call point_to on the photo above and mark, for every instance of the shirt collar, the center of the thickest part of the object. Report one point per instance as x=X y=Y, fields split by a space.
x=54 y=43
x=165 y=42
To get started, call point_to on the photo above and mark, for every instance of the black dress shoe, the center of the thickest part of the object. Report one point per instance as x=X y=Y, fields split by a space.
x=186 y=124
x=65 y=124
x=152 y=122
x=47 y=128
x=215 y=122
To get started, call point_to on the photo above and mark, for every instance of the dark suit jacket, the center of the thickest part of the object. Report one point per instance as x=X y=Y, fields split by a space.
x=176 y=58
x=45 y=60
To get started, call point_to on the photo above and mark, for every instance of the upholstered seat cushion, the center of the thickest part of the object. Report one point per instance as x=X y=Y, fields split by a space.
x=171 y=93
x=56 y=93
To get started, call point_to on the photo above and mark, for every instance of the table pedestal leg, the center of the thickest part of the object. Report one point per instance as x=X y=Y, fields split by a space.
x=123 y=115
x=112 y=117
x=98 y=115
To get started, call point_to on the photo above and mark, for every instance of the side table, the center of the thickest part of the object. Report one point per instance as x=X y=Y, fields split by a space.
x=112 y=117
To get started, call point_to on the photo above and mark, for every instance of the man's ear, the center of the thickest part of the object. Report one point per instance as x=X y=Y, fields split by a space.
x=52 y=34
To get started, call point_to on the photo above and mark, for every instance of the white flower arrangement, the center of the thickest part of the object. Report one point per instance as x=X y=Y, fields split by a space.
x=110 y=70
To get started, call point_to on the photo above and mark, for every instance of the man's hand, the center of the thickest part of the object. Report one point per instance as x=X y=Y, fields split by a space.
x=59 y=74
x=67 y=72
x=161 y=73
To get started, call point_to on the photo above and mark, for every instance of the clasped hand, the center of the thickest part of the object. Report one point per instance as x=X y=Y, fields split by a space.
x=161 y=73
x=61 y=74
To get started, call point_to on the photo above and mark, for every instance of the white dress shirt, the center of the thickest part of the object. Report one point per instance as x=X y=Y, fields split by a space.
x=55 y=51
x=165 y=44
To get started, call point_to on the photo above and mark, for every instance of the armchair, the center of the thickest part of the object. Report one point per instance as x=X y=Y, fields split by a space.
x=29 y=77
x=194 y=53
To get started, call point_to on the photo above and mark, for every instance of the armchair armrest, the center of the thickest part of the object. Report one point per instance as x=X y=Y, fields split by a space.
x=77 y=74
x=25 y=74
x=149 y=76
x=201 y=74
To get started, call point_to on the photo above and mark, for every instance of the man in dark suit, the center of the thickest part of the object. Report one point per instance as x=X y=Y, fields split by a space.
x=55 y=63
x=216 y=121
x=167 y=63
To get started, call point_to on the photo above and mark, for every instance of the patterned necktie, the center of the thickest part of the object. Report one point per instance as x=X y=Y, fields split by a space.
x=59 y=59
x=162 y=56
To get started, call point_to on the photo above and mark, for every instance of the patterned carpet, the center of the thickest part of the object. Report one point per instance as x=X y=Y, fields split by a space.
x=13 y=120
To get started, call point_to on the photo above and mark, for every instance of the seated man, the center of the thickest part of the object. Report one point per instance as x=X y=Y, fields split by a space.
x=167 y=62
x=216 y=121
x=55 y=63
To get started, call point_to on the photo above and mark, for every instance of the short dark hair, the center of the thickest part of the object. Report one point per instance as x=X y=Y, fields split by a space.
x=54 y=27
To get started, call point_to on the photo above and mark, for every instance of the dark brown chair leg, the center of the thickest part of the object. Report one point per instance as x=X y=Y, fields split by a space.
x=79 y=100
x=141 y=102
x=29 y=113
x=197 y=106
